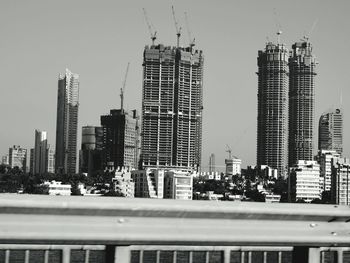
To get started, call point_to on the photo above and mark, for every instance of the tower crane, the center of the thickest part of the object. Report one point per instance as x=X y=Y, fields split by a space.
x=152 y=32
x=192 y=44
x=122 y=89
x=178 y=29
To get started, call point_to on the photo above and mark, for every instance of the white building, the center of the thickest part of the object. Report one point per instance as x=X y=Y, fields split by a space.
x=304 y=181
x=149 y=183
x=123 y=183
x=178 y=184
x=18 y=157
x=325 y=160
x=57 y=188
x=233 y=166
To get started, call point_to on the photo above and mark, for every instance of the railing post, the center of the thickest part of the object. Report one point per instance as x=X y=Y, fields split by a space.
x=66 y=255
x=110 y=254
x=306 y=254
x=339 y=256
x=122 y=254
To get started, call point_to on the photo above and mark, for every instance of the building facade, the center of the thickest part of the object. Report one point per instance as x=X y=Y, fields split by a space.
x=233 y=166
x=178 y=185
x=18 y=157
x=325 y=159
x=120 y=139
x=340 y=190
x=272 y=128
x=91 y=150
x=304 y=181
x=67 y=123
x=302 y=64
x=149 y=183
x=330 y=131
x=50 y=161
x=123 y=184
x=172 y=107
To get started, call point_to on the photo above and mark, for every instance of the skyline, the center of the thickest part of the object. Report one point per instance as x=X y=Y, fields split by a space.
x=36 y=52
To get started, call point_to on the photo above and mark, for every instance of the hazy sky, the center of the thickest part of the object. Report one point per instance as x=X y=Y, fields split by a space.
x=96 y=39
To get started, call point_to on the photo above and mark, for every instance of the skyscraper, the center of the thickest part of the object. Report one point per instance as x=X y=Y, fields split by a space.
x=120 y=139
x=40 y=153
x=172 y=107
x=301 y=103
x=91 y=149
x=67 y=123
x=272 y=128
x=330 y=131
x=212 y=163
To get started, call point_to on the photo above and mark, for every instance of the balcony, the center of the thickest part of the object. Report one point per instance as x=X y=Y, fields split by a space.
x=39 y=228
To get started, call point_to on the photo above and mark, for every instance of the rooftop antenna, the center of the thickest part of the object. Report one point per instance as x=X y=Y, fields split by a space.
x=178 y=29
x=192 y=40
x=122 y=89
x=278 y=25
x=152 y=32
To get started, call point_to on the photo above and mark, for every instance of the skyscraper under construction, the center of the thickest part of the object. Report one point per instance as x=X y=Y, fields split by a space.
x=172 y=107
x=272 y=128
x=302 y=65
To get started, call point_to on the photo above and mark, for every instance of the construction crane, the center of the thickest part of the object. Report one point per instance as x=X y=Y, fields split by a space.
x=122 y=89
x=278 y=25
x=178 y=29
x=229 y=150
x=152 y=32
x=192 y=44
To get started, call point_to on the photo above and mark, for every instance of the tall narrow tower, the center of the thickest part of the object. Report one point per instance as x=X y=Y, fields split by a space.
x=172 y=107
x=40 y=152
x=272 y=128
x=330 y=131
x=67 y=123
x=302 y=65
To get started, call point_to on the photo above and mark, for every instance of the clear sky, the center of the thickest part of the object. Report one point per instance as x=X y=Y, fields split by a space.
x=96 y=39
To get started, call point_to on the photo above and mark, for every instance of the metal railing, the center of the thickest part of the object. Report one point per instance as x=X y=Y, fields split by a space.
x=47 y=229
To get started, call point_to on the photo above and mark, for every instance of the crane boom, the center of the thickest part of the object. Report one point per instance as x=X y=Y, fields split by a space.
x=178 y=29
x=192 y=44
x=122 y=89
x=152 y=32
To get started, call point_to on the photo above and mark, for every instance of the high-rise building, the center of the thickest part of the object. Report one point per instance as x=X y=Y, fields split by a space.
x=325 y=159
x=340 y=189
x=302 y=65
x=50 y=159
x=67 y=123
x=40 y=153
x=120 y=139
x=330 y=131
x=172 y=107
x=91 y=149
x=272 y=128
x=18 y=157
x=212 y=163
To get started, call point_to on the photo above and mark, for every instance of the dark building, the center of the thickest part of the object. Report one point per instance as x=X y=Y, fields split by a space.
x=67 y=123
x=172 y=107
x=120 y=139
x=91 y=150
x=302 y=65
x=330 y=131
x=272 y=128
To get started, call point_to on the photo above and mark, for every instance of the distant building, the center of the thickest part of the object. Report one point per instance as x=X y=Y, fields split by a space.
x=325 y=158
x=18 y=157
x=172 y=104
x=340 y=190
x=57 y=188
x=233 y=166
x=123 y=183
x=31 y=161
x=149 y=183
x=302 y=65
x=5 y=160
x=330 y=131
x=210 y=176
x=91 y=150
x=120 y=139
x=50 y=159
x=178 y=184
x=262 y=171
x=304 y=181
x=67 y=123
x=40 y=153
x=212 y=163
x=272 y=130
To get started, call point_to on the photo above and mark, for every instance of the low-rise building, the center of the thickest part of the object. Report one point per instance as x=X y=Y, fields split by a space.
x=123 y=184
x=233 y=166
x=304 y=181
x=57 y=188
x=149 y=183
x=178 y=184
